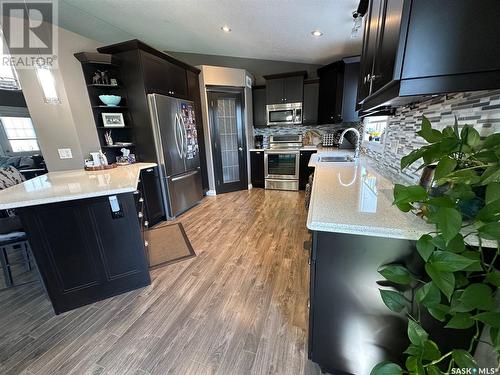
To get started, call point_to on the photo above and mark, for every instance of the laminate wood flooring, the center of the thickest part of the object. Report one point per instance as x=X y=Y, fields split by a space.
x=239 y=307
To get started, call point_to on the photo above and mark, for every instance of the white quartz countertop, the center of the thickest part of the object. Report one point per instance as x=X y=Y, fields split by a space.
x=71 y=185
x=351 y=197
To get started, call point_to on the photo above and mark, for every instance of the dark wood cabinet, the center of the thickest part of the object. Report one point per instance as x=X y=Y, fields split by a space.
x=285 y=88
x=163 y=77
x=304 y=170
x=350 y=92
x=410 y=51
x=257 y=168
x=310 y=104
x=331 y=89
x=149 y=186
x=259 y=106
x=84 y=252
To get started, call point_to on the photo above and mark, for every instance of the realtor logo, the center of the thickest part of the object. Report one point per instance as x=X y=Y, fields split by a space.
x=29 y=32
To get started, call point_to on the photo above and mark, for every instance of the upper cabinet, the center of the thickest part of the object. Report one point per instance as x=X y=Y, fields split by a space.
x=310 y=105
x=412 y=49
x=163 y=77
x=337 y=91
x=259 y=106
x=285 y=88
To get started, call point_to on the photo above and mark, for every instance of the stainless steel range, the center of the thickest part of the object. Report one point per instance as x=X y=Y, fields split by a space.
x=281 y=162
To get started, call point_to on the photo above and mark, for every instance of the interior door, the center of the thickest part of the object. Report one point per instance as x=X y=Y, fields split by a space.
x=228 y=141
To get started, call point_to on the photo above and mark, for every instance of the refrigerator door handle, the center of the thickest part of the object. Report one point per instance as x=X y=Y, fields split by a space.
x=176 y=131
x=184 y=133
x=184 y=176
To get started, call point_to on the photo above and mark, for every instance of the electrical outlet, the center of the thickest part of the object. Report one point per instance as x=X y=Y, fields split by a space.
x=65 y=153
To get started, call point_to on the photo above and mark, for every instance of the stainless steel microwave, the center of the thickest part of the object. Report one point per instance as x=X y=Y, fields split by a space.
x=284 y=114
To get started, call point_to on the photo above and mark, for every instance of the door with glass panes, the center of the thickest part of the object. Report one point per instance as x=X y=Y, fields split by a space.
x=228 y=141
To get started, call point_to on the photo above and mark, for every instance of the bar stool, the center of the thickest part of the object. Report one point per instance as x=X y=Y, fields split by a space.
x=13 y=241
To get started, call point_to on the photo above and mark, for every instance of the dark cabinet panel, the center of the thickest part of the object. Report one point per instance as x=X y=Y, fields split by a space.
x=331 y=87
x=410 y=51
x=294 y=89
x=285 y=88
x=351 y=77
x=259 y=106
x=310 y=106
x=151 y=194
x=257 y=168
x=84 y=252
x=275 y=91
x=304 y=170
x=163 y=77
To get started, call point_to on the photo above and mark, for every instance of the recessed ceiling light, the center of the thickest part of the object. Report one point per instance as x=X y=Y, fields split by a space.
x=316 y=33
x=226 y=29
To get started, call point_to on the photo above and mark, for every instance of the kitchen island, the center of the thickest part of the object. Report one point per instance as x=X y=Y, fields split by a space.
x=356 y=229
x=84 y=232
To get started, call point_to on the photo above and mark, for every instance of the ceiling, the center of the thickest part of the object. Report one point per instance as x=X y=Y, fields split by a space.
x=264 y=29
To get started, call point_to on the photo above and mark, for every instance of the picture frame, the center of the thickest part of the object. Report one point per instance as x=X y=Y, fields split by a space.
x=113 y=120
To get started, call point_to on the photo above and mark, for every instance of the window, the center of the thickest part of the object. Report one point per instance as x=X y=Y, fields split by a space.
x=374 y=128
x=20 y=134
x=8 y=75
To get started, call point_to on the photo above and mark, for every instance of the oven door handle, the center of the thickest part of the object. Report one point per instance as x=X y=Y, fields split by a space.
x=295 y=152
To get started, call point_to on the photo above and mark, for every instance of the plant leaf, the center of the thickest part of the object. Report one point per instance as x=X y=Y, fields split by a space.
x=431 y=351
x=428 y=295
x=447 y=261
x=427 y=133
x=445 y=166
x=386 y=368
x=492 y=192
x=460 y=320
x=491 y=174
x=395 y=301
x=433 y=370
x=411 y=158
x=493 y=277
x=456 y=244
x=492 y=140
x=408 y=194
x=425 y=247
x=490 y=231
x=416 y=333
x=463 y=359
x=490 y=317
x=476 y=257
x=490 y=212
x=445 y=281
x=439 y=311
x=470 y=136
x=414 y=366
x=477 y=296
x=396 y=273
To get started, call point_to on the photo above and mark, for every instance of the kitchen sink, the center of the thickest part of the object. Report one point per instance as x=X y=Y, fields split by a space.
x=335 y=159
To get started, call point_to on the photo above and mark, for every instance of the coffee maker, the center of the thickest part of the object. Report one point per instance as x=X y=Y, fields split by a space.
x=259 y=141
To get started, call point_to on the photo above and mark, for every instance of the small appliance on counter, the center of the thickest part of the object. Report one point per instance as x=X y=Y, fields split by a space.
x=259 y=141
x=329 y=140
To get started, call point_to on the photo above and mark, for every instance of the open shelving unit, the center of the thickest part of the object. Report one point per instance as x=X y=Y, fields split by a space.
x=91 y=63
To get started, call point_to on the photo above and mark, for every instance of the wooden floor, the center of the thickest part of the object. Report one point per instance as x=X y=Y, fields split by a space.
x=239 y=307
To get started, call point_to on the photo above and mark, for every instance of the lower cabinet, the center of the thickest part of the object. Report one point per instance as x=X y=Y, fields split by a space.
x=257 y=168
x=86 y=252
x=304 y=170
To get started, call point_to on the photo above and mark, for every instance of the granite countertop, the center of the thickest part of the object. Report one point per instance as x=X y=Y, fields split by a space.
x=71 y=185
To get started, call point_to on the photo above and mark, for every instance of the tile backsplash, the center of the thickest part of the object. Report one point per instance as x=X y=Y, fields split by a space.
x=480 y=109
x=300 y=129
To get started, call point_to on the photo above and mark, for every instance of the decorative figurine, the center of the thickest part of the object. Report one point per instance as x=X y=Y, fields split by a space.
x=108 y=138
x=96 y=79
x=104 y=77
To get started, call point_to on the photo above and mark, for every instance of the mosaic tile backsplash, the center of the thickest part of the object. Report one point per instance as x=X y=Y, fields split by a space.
x=301 y=129
x=480 y=109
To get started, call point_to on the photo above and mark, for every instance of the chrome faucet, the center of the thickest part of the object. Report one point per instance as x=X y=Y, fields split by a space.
x=358 y=140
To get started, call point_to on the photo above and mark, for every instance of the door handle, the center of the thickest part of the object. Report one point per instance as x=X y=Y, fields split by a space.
x=176 y=131
x=240 y=148
x=184 y=133
x=184 y=176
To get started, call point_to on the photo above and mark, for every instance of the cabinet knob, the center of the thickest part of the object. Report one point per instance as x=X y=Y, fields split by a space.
x=149 y=170
x=140 y=214
x=146 y=223
x=146 y=243
x=240 y=148
x=136 y=192
x=141 y=200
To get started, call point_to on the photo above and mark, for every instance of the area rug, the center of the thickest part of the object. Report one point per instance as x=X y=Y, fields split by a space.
x=168 y=244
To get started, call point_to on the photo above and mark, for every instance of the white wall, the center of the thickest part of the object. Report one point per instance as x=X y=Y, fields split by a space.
x=220 y=76
x=71 y=123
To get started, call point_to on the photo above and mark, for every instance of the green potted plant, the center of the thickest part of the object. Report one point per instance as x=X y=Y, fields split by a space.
x=460 y=279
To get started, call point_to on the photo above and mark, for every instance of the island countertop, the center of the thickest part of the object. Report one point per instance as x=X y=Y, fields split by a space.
x=71 y=185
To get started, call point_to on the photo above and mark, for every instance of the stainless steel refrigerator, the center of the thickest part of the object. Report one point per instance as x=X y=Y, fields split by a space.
x=176 y=144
